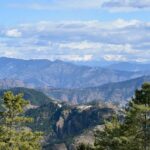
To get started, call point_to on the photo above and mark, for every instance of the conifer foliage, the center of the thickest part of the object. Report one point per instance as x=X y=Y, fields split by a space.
x=130 y=133
x=13 y=133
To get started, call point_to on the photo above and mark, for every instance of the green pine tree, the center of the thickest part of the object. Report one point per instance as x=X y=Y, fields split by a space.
x=133 y=133
x=137 y=119
x=111 y=138
x=13 y=133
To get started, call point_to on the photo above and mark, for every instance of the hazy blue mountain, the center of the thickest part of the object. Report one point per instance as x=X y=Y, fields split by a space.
x=10 y=83
x=116 y=92
x=92 y=63
x=44 y=73
x=129 y=66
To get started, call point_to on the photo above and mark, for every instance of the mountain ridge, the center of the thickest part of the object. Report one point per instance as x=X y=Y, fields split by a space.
x=119 y=92
x=130 y=66
x=59 y=74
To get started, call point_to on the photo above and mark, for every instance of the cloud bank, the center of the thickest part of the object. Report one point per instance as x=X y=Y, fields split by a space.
x=118 y=40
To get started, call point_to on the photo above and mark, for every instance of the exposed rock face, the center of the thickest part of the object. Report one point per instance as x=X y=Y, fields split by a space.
x=60 y=125
x=66 y=122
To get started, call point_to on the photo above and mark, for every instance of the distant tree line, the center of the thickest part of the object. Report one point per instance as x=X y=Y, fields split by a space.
x=130 y=133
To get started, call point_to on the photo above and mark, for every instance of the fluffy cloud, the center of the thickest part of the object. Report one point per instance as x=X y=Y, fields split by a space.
x=115 y=58
x=118 y=40
x=136 y=4
x=82 y=45
x=72 y=57
x=13 y=33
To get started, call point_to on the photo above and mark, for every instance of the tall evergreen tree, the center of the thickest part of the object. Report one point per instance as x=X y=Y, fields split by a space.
x=138 y=117
x=134 y=132
x=13 y=133
x=111 y=137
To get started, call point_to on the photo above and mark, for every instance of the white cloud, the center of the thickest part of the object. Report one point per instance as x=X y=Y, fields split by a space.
x=75 y=57
x=13 y=33
x=83 y=45
x=79 y=40
x=60 y=4
x=120 y=23
x=115 y=58
x=124 y=5
x=71 y=57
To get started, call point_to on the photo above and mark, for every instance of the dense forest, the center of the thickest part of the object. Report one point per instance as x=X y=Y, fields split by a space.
x=126 y=129
x=129 y=132
x=14 y=135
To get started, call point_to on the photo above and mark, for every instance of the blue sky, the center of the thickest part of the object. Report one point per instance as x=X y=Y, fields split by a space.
x=81 y=30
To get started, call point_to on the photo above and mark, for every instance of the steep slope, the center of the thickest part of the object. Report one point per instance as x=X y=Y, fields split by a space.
x=61 y=123
x=116 y=92
x=59 y=74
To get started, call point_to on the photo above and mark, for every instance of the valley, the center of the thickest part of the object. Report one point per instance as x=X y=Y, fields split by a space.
x=69 y=102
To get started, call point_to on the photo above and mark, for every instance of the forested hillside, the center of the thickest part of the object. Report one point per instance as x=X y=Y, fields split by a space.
x=64 y=124
x=36 y=98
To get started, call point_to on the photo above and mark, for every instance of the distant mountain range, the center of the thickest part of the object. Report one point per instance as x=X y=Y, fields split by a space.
x=91 y=90
x=10 y=83
x=59 y=74
x=132 y=67
x=115 y=92
x=122 y=66
x=74 y=83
